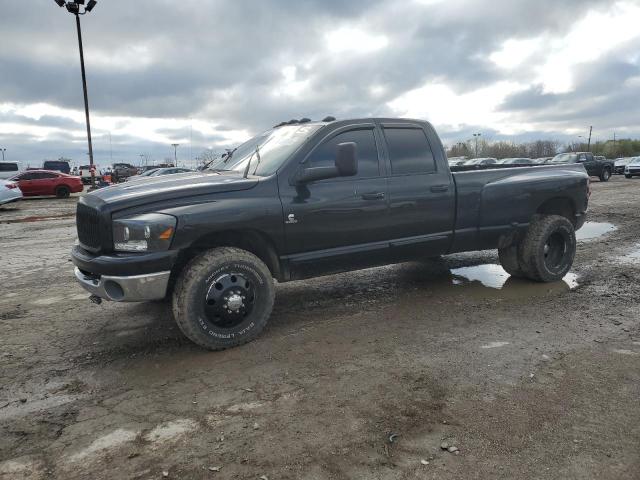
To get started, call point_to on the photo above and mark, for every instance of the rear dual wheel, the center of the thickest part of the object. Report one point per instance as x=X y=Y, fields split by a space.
x=545 y=253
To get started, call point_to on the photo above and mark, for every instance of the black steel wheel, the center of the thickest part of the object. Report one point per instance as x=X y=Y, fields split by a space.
x=229 y=299
x=547 y=251
x=223 y=298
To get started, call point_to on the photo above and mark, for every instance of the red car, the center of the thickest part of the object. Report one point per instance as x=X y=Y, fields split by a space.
x=45 y=182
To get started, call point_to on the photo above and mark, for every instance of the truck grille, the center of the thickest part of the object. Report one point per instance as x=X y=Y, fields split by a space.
x=88 y=225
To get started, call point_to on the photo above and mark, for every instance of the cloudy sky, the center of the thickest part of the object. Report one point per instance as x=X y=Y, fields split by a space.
x=208 y=74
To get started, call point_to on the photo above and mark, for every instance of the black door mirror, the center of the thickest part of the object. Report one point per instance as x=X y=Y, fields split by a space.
x=346 y=165
x=347 y=159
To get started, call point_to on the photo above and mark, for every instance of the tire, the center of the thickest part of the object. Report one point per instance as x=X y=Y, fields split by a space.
x=547 y=250
x=605 y=175
x=628 y=176
x=205 y=289
x=510 y=262
x=63 y=191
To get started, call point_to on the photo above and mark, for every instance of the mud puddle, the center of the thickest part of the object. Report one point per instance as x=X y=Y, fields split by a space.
x=492 y=278
x=592 y=230
x=633 y=256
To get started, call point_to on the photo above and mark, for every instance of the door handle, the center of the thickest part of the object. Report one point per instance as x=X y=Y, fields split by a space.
x=440 y=188
x=373 y=196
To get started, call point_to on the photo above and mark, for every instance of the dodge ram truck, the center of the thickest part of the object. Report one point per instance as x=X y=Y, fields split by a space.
x=305 y=199
x=595 y=166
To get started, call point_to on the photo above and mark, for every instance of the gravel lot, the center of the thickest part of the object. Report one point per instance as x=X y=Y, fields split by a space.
x=360 y=375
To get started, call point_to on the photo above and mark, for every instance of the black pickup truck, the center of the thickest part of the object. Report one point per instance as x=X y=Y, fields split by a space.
x=311 y=198
x=595 y=166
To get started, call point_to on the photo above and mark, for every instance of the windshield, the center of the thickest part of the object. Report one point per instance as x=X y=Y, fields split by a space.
x=635 y=161
x=564 y=158
x=274 y=147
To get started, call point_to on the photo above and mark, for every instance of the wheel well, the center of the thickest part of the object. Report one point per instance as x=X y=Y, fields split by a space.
x=250 y=240
x=559 y=206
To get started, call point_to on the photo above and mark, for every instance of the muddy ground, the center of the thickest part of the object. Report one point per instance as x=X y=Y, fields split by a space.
x=359 y=375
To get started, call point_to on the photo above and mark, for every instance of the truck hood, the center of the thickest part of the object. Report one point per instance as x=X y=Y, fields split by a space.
x=168 y=187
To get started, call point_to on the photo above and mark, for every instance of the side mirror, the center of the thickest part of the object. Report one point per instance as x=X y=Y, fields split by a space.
x=346 y=165
x=347 y=159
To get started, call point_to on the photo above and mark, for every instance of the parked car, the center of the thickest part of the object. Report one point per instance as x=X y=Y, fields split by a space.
x=122 y=171
x=632 y=169
x=481 y=161
x=9 y=192
x=620 y=163
x=144 y=174
x=516 y=161
x=283 y=206
x=169 y=171
x=45 y=182
x=456 y=161
x=57 y=166
x=8 y=169
x=542 y=160
x=85 y=174
x=595 y=168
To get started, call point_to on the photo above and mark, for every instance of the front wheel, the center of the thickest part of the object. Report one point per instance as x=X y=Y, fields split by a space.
x=547 y=250
x=605 y=175
x=63 y=191
x=223 y=298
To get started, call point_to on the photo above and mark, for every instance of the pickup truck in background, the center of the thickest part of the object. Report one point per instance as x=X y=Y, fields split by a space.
x=595 y=166
x=311 y=198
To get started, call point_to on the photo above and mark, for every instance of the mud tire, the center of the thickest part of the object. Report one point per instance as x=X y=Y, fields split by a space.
x=548 y=248
x=510 y=262
x=197 y=278
x=605 y=175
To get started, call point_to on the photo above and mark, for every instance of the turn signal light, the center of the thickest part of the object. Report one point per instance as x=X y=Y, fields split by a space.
x=166 y=235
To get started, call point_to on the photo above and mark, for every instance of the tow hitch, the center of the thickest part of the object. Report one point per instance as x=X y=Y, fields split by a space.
x=95 y=299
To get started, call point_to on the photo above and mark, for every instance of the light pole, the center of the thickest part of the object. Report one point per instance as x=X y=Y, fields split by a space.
x=74 y=8
x=3 y=150
x=476 y=135
x=175 y=153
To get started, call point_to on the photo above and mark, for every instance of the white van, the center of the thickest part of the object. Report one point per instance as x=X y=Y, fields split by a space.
x=9 y=169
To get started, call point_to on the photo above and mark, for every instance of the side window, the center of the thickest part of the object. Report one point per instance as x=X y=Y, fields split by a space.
x=43 y=176
x=325 y=154
x=8 y=167
x=582 y=157
x=409 y=151
x=589 y=157
x=26 y=176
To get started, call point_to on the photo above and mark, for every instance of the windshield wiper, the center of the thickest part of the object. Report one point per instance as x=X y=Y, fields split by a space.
x=257 y=153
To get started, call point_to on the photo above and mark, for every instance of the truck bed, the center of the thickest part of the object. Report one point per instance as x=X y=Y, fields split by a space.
x=484 y=218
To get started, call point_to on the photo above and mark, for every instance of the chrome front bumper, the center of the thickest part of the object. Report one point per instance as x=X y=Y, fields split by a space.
x=137 y=288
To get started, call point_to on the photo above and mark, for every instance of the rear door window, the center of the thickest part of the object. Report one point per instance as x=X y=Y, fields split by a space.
x=8 y=167
x=367 y=151
x=409 y=151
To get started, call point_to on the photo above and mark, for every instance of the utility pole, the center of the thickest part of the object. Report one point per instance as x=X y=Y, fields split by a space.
x=476 y=135
x=175 y=153
x=589 y=144
x=3 y=150
x=74 y=9
x=615 y=152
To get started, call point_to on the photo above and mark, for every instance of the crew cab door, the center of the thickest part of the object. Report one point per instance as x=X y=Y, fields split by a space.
x=421 y=190
x=591 y=165
x=337 y=218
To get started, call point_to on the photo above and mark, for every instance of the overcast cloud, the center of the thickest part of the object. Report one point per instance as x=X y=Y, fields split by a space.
x=208 y=74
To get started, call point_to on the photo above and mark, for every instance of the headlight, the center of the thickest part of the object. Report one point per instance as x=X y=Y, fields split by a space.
x=143 y=233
